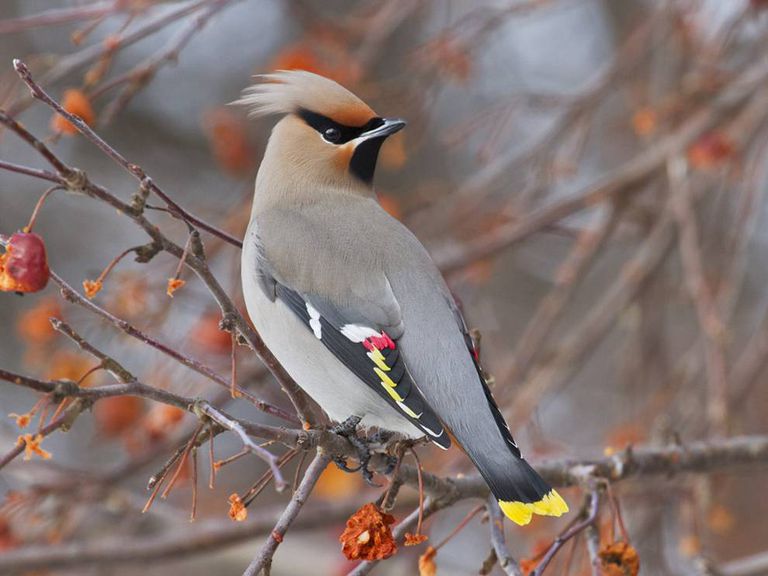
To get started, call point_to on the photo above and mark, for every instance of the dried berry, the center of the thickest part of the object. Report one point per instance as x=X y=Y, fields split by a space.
x=414 y=539
x=619 y=559
x=367 y=535
x=173 y=285
x=237 y=510
x=31 y=443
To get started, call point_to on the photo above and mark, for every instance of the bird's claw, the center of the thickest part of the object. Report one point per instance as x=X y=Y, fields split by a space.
x=341 y=464
x=348 y=429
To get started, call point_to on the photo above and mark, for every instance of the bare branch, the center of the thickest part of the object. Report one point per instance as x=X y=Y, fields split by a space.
x=624 y=180
x=589 y=513
x=71 y=295
x=234 y=426
x=754 y=565
x=699 y=457
x=263 y=559
x=700 y=293
x=206 y=537
x=176 y=210
x=496 y=526
x=141 y=75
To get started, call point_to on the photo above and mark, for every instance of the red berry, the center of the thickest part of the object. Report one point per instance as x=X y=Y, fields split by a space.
x=24 y=266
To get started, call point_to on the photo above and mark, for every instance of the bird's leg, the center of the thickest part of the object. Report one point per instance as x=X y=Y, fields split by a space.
x=394 y=450
x=391 y=454
x=348 y=429
x=395 y=454
x=341 y=464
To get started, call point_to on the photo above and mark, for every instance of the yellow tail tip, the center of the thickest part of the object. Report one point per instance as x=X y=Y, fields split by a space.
x=521 y=512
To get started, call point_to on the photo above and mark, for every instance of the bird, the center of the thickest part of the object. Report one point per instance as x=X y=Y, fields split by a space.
x=350 y=302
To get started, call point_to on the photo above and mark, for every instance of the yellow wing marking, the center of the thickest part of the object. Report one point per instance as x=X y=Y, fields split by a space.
x=378 y=359
x=388 y=384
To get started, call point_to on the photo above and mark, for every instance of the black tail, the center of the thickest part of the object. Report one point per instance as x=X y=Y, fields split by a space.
x=520 y=490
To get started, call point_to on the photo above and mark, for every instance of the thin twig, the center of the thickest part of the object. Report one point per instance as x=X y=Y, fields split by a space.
x=496 y=525
x=71 y=295
x=234 y=426
x=593 y=547
x=264 y=558
x=701 y=295
x=591 y=514
x=37 y=91
x=77 y=180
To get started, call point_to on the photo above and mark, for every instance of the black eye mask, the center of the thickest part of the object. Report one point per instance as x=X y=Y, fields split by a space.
x=334 y=132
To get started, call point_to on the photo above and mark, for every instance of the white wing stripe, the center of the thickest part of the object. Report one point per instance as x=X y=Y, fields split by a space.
x=358 y=333
x=314 y=321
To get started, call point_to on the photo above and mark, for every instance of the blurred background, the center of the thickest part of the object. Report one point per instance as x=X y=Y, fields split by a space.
x=589 y=174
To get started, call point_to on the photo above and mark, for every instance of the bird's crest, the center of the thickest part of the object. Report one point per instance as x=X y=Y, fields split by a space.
x=288 y=92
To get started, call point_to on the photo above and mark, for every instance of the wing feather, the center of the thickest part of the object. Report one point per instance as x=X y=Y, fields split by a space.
x=369 y=352
x=498 y=418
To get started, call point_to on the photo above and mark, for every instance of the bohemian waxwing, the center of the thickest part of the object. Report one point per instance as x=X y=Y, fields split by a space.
x=348 y=299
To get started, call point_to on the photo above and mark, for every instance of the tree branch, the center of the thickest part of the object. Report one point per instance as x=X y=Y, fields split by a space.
x=496 y=526
x=646 y=462
x=263 y=559
x=71 y=295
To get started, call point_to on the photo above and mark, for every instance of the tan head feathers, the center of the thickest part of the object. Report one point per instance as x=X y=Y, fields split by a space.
x=287 y=92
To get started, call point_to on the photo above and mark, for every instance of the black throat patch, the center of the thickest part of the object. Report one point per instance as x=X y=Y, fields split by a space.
x=363 y=162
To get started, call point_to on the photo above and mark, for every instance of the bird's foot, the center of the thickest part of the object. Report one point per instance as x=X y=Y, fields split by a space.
x=348 y=429
x=341 y=464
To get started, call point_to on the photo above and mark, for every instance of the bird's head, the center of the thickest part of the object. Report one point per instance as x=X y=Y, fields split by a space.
x=327 y=134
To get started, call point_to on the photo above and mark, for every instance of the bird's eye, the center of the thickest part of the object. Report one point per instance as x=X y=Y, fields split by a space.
x=332 y=135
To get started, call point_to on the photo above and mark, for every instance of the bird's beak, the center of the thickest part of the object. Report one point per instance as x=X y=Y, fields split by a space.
x=389 y=127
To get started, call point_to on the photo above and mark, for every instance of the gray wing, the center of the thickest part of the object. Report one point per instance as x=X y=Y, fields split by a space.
x=360 y=325
x=368 y=350
x=501 y=423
